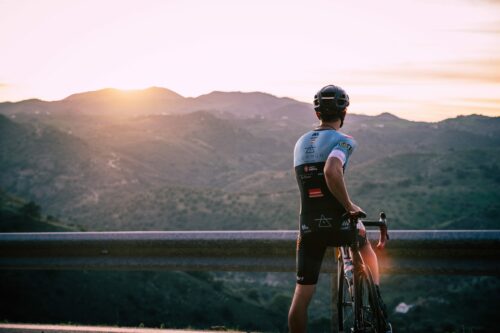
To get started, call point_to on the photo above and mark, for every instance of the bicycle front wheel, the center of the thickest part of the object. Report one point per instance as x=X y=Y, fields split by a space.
x=345 y=302
x=368 y=315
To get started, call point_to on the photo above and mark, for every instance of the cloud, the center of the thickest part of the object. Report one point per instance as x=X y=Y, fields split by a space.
x=483 y=100
x=490 y=27
x=493 y=2
x=486 y=70
x=427 y=110
x=429 y=91
x=492 y=31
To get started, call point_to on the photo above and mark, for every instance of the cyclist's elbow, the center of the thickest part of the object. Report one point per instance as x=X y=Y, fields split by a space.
x=333 y=170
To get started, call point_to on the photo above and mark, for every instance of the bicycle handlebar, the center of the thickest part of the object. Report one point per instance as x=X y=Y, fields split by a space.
x=381 y=223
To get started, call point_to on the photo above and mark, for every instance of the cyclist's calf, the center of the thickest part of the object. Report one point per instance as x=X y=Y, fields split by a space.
x=370 y=259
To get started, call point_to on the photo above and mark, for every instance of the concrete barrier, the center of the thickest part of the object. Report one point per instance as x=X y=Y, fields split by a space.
x=475 y=252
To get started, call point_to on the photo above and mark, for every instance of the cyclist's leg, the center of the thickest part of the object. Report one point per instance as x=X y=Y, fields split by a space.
x=369 y=256
x=297 y=317
x=310 y=252
x=370 y=259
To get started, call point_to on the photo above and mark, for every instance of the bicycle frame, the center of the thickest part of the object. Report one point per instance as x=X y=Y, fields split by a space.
x=351 y=267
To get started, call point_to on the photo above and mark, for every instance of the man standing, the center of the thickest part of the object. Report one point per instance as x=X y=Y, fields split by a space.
x=321 y=157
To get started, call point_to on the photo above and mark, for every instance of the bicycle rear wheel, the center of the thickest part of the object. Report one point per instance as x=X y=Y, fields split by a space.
x=345 y=303
x=368 y=315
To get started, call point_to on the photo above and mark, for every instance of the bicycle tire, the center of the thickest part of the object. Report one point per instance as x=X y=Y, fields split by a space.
x=367 y=311
x=345 y=302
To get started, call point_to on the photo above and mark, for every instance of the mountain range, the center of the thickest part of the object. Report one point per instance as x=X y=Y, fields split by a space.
x=117 y=103
x=154 y=160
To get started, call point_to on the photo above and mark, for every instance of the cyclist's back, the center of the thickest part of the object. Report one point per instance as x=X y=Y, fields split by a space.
x=310 y=154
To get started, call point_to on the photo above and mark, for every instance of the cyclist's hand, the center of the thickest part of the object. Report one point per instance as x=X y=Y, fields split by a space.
x=355 y=211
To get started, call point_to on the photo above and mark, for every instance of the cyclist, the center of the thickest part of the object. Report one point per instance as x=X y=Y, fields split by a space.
x=320 y=159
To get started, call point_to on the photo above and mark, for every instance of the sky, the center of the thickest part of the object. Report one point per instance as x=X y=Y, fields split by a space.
x=420 y=60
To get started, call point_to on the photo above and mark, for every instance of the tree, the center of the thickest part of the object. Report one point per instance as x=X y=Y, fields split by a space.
x=31 y=209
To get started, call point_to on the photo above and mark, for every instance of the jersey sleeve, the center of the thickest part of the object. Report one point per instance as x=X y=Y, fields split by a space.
x=343 y=150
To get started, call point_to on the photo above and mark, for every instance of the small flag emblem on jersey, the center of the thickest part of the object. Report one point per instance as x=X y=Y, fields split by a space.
x=310 y=168
x=315 y=193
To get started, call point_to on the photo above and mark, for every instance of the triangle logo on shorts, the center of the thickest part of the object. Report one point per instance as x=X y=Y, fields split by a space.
x=324 y=222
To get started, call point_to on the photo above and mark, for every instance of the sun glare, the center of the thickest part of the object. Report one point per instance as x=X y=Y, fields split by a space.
x=129 y=88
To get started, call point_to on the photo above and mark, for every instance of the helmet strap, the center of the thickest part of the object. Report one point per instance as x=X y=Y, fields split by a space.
x=342 y=116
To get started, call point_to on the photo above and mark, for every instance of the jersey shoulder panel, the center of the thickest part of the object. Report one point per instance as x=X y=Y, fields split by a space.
x=315 y=146
x=344 y=148
x=346 y=143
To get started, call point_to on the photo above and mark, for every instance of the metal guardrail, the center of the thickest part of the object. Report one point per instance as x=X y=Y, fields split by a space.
x=473 y=252
x=408 y=252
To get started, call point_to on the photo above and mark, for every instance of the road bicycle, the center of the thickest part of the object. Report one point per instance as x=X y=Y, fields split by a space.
x=358 y=302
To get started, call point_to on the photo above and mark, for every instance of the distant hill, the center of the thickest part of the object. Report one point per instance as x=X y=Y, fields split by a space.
x=110 y=95
x=116 y=103
x=152 y=159
x=18 y=215
x=447 y=190
x=480 y=125
x=51 y=167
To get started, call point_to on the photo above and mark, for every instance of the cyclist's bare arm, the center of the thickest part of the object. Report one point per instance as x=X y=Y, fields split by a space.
x=334 y=176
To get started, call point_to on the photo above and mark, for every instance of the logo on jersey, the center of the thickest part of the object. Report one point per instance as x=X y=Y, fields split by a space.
x=315 y=193
x=324 y=222
x=345 y=145
x=310 y=150
x=310 y=168
x=305 y=229
x=346 y=225
x=314 y=137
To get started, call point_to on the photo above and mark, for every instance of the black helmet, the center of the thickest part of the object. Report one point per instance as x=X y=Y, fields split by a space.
x=331 y=100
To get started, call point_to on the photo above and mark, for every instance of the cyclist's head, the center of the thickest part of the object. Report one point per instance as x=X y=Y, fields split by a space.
x=330 y=103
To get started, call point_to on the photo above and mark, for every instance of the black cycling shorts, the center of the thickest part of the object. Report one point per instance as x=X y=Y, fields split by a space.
x=311 y=250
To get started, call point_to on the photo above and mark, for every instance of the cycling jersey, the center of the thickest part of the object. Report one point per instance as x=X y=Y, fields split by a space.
x=319 y=208
x=320 y=212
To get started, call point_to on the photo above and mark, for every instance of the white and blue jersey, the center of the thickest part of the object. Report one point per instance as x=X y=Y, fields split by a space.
x=319 y=208
x=316 y=146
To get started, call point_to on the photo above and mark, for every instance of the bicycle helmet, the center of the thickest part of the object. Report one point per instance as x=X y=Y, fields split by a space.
x=331 y=100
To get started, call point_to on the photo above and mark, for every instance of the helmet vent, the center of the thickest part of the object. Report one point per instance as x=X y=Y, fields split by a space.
x=331 y=99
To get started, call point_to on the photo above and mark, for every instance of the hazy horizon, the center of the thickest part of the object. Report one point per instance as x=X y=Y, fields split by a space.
x=423 y=61
x=245 y=92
